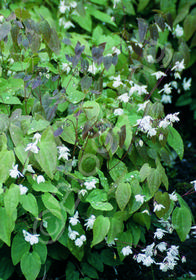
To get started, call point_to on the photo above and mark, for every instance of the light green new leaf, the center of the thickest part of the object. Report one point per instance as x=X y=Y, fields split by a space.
x=123 y=194
x=52 y=204
x=45 y=187
x=103 y=206
x=145 y=171
x=11 y=199
x=182 y=220
x=30 y=265
x=47 y=156
x=6 y=161
x=175 y=141
x=100 y=229
x=55 y=225
x=29 y=203
x=116 y=227
x=19 y=248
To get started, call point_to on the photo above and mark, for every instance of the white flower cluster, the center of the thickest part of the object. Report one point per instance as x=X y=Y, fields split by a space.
x=72 y=234
x=145 y=125
x=64 y=7
x=31 y=238
x=169 y=120
x=63 y=152
x=14 y=173
x=90 y=184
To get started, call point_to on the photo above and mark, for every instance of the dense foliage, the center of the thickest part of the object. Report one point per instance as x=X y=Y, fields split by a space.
x=84 y=140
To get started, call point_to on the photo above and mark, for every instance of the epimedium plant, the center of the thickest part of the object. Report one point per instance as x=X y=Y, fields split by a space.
x=84 y=141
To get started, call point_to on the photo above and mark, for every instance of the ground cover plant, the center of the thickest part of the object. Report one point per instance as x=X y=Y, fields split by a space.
x=84 y=139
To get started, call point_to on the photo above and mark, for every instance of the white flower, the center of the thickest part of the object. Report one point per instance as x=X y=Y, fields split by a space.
x=165 y=98
x=126 y=251
x=173 y=117
x=30 y=169
x=92 y=69
x=174 y=84
x=32 y=147
x=66 y=67
x=63 y=152
x=91 y=184
x=173 y=196
x=162 y=246
x=178 y=32
x=31 y=238
x=186 y=83
x=63 y=7
x=150 y=58
x=74 y=220
x=177 y=75
x=74 y=162
x=141 y=143
x=142 y=106
x=158 y=74
x=40 y=179
x=163 y=266
x=23 y=189
x=183 y=260
x=194 y=184
x=82 y=192
x=161 y=137
x=66 y=24
x=72 y=233
x=158 y=207
x=117 y=81
x=152 y=132
x=146 y=212
x=118 y=112
x=37 y=137
x=139 y=89
x=139 y=198
x=14 y=173
x=148 y=261
x=179 y=66
x=159 y=233
x=166 y=89
x=149 y=250
x=73 y=4
x=124 y=97
x=90 y=222
x=78 y=242
x=83 y=237
x=116 y=50
x=1 y=18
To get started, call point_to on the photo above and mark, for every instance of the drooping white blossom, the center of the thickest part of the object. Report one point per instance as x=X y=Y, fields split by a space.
x=179 y=66
x=63 y=152
x=40 y=179
x=90 y=184
x=126 y=251
x=158 y=207
x=72 y=234
x=74 y=220
x=186 y=83
x=14 y=173
x=178 y=31
x=140 y=198
x=159 y=74
x=90 y=222
x=118 y=112
x=124 y=97
x=23 y=189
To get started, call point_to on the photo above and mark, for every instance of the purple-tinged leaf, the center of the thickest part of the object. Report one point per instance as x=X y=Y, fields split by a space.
x=4 y=30
x=143 y=28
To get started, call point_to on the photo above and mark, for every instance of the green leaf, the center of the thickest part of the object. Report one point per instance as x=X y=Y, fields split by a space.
x=189 y=26
x=4 y=30
x=96 y=195
x=145 y=171
x=100 y=15
x=103 y=206
x=41 y=250
x=124 y=239
x=117 y=169
x=89 y=271
x=182 y=221
x=30 y=265
x=142 y=4
x=6 y=268
x=142 y=219
x=100 y=229
x=6 y=226
x=29 y=203
x=11 y=199
x=103 y=180
x=37 y=126
x=175 y=141
x=68 y=133
x=123 y=194
x=19 y=248
x=52 y=204
x=55 y=225
x=71 y=272
x=91 y=109
x=47 y=156
x=154 y=180
x=116 y=227
x=84 y=21
x=6 y=161
x=95 y=260
x=45 y=187
x=164 y=199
